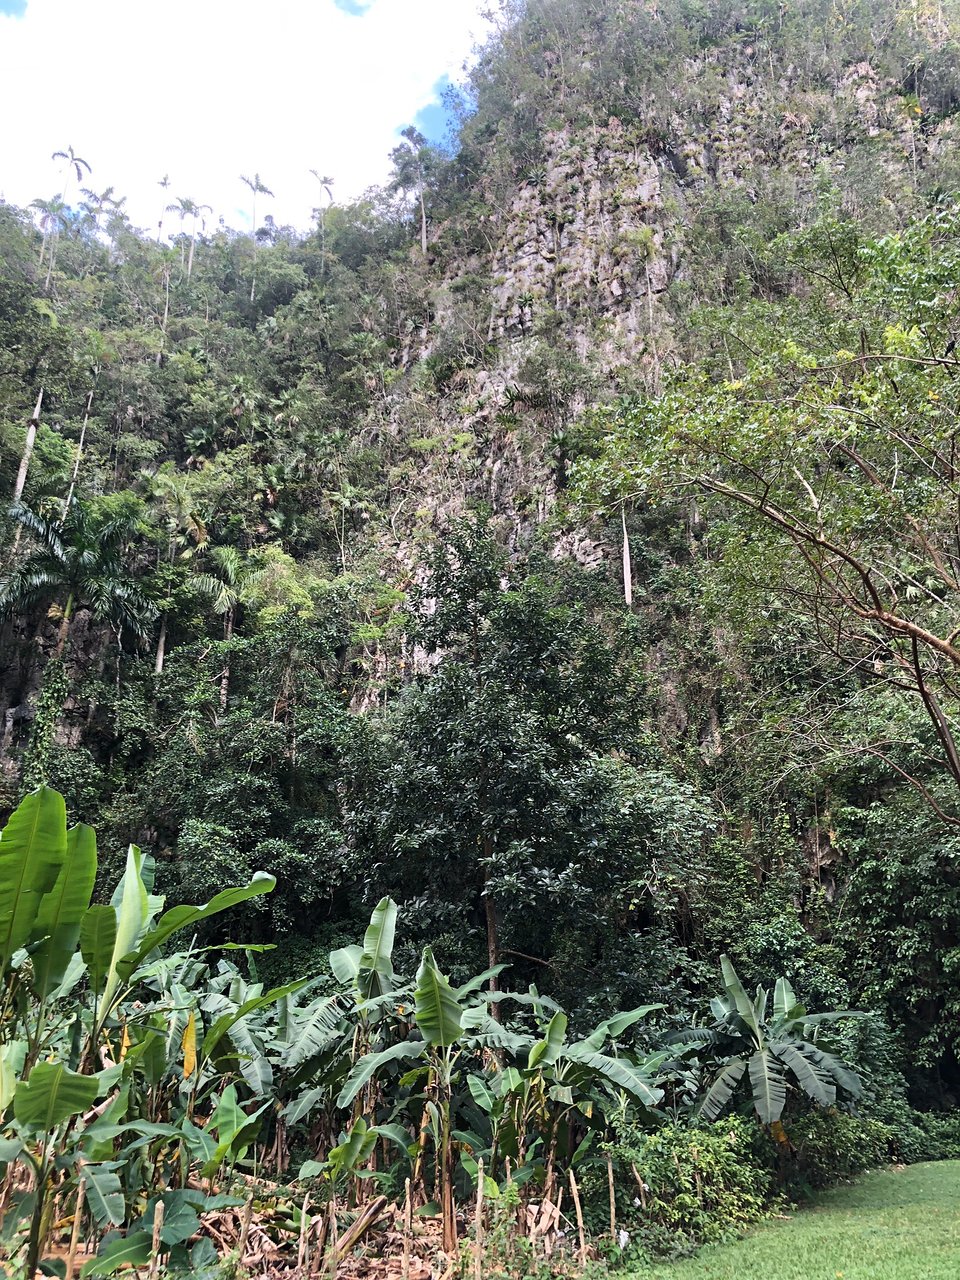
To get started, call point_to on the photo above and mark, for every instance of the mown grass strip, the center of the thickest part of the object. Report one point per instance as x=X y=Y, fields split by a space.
x=894 y=1225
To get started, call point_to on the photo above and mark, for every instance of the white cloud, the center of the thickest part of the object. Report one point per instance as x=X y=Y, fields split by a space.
x=208 y=89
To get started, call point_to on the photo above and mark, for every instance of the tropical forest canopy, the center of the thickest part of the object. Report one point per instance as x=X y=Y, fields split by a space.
x=561 y=542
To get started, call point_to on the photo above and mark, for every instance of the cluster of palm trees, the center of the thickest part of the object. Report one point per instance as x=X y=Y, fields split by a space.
x=78 y=557
x=56 y=214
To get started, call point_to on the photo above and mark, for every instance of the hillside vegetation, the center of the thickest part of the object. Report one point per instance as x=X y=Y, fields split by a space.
x=558 y=547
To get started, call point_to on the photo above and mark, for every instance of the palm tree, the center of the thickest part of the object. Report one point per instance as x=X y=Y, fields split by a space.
x=97 y=202
x=257 y=187
x=197 y=212
x=72 y=164
x=53 y=219
x=164 y=183
x=184 y=207
x=325 y=185
x=78 y=558
x=410 y=163
x=177 y=509
x=230 y=587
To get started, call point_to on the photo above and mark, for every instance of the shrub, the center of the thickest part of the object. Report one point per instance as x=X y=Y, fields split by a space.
x=680 y=1187
x=831 y=1146
x=922 y=1135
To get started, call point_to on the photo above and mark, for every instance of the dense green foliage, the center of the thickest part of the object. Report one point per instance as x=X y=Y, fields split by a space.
x=560 y=543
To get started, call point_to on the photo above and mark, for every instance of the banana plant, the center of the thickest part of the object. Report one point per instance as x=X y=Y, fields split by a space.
x=51 y=936
x=439 y=1018
x=776 y=1051
x=318 y=1045
x=542 y=1112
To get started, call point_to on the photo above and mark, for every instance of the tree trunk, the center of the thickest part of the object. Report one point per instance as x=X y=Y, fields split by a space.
x=161 y=646
x=64 y=630
x=225 y=678
x=253 y=282
x=447 y=1206
x=653 y=339
x=51 y=259
x=493 y=928
x=27 y=450
x=76 y=461
x=423 y=223
x=627 y=566
x=166 y=313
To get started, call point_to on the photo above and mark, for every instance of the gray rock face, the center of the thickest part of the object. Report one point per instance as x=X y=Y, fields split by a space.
x=588 y=256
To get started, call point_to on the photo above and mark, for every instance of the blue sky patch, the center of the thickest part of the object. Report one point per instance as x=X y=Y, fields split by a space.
x=435 y=121
x=357 y=8
x=13 y=8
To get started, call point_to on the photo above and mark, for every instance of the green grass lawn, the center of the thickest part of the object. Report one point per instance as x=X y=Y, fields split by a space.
x=891 y=1226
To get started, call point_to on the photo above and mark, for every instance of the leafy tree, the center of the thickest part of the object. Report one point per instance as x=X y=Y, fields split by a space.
x=509 y=782
x=827 y=464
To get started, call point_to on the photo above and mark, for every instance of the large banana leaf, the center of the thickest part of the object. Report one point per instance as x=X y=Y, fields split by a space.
x=178 y=918
x=353 y=1151
x=838 y=1070
x=610 y=1028
x=616 y=1072
x=33 y=846
x=437 y=1013
x=738 y=996
x=784 y=1001
x=98 y=937
x=480 y=1093
x=132 y=909
x=375 y=977
x=819 y=1019
x=116 y=1251
x=303 y=1105
x=104 y=1192
x=345 y=964
x=53 y=1094
x=809 y=1075
x=227 y=1020
x=769 y=1086
x=368 y=1066
x=12 y=1055
x=548 y=1049
x=479 y=980
x=62 y=909
x=485 y=1032
x=697 y=1037
x=721 y=1091
x=312 y=1030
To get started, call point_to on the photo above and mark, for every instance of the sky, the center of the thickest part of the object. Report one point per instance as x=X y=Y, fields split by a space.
x=207 y=90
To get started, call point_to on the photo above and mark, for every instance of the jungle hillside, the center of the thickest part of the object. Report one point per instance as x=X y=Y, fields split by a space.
x=480 y=674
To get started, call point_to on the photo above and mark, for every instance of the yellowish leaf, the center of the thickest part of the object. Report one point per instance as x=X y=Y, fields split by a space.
x=189 y=1044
